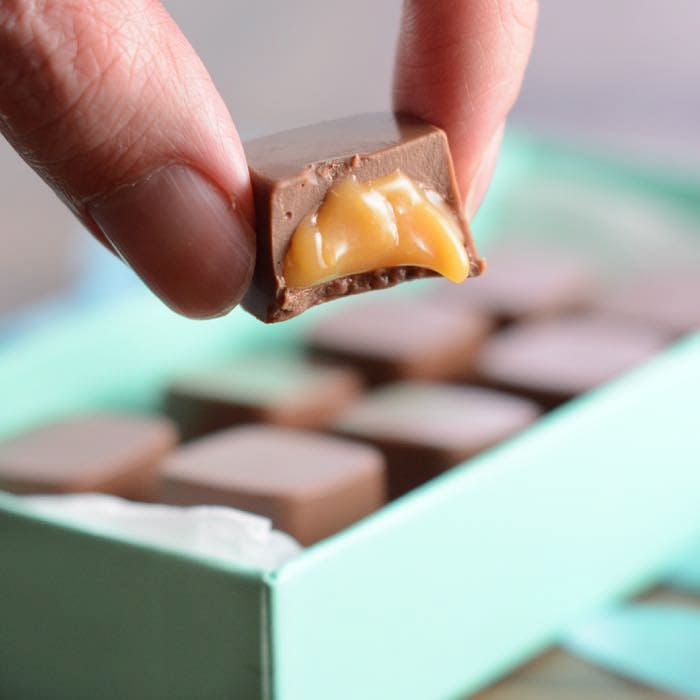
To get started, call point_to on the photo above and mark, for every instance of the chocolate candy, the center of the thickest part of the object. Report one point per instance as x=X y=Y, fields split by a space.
x=553 y=360
x=310 y=485
x=352 y=205
x=424 y=428
x=670 y=301
x=401 y=338
x=111 y=453
x=524 y=283
x=270 y=388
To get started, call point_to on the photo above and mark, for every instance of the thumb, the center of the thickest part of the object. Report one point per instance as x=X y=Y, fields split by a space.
x=109 y=103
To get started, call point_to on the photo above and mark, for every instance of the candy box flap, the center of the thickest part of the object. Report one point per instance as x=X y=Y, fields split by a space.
x=123 y=619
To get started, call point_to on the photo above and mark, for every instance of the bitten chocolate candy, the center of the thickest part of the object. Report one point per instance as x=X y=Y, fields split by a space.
x=280 y=389
x=110 y=453
x=397 y=201
x=670 y=301
x=424 y=428
x=401 y=338
x=522 y=283
x=554 y=360
x=310 y=485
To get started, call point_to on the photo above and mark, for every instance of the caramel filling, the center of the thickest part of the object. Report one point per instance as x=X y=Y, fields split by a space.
x=364 y=226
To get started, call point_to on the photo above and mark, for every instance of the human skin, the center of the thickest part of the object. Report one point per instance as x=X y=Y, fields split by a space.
x=110 y=104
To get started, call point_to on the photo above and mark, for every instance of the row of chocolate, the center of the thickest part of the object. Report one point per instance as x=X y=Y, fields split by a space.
x=451 y=371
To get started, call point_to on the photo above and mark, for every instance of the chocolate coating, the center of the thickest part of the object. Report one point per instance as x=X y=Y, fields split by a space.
x=670 y=301
x=424 y=428
x=291 y=173
x=110 y=453
x=310 y=485
x=268 y=388
x=553 y=360
x=525 y=283
x=401 y=338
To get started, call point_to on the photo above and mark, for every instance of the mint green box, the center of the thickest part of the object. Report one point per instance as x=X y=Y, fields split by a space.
x=432 y=597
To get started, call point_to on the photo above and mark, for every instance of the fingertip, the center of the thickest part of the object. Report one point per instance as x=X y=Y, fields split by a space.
x=183 y=236
x=484 y=174
x=459 y=65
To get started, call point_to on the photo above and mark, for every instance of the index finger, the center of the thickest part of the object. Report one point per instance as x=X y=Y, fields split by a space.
x=459 y=65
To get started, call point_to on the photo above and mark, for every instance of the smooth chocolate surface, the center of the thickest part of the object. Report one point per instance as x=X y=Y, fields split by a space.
x=553 y=360
x=425 y=428
x=525 y=283
x=268 y=388
x=291 y=173
x=401 y=338
x=110 y=453
x=310 y=485
x=670 y=301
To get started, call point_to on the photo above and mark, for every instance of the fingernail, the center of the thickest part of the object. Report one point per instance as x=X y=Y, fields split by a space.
x=183 y=237
x=484 y=173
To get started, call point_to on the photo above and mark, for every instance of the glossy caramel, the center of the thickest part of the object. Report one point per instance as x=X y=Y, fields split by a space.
x=390 y=221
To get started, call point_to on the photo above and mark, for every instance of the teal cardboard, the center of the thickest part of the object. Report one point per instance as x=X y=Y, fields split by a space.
x=84 y=616
x=446 y=589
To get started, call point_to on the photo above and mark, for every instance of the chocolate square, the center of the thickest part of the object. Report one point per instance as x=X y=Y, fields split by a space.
x=525 y=282
x=669 y=300
x=423 y=428
x=282 y=389
x=554 y=360
x=391 y=339
x=292 y=172
x=310 y=485
x=111 y=453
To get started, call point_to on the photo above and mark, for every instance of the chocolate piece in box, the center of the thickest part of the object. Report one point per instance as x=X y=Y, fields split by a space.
x=310 y=485
x=553 y=360
x=424 y=429
x=669 y=301
x=401 y=338
x=351 y=205
x=277 y=388
x=110 y=453
x=524 y=283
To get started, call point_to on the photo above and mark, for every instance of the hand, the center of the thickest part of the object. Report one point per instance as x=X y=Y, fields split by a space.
x=109 y=103
x=459 y=66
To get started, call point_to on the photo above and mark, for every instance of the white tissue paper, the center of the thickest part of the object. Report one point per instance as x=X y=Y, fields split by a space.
x=212 y=531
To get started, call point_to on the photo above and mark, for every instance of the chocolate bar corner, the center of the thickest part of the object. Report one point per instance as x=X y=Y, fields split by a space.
x=353 y=205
